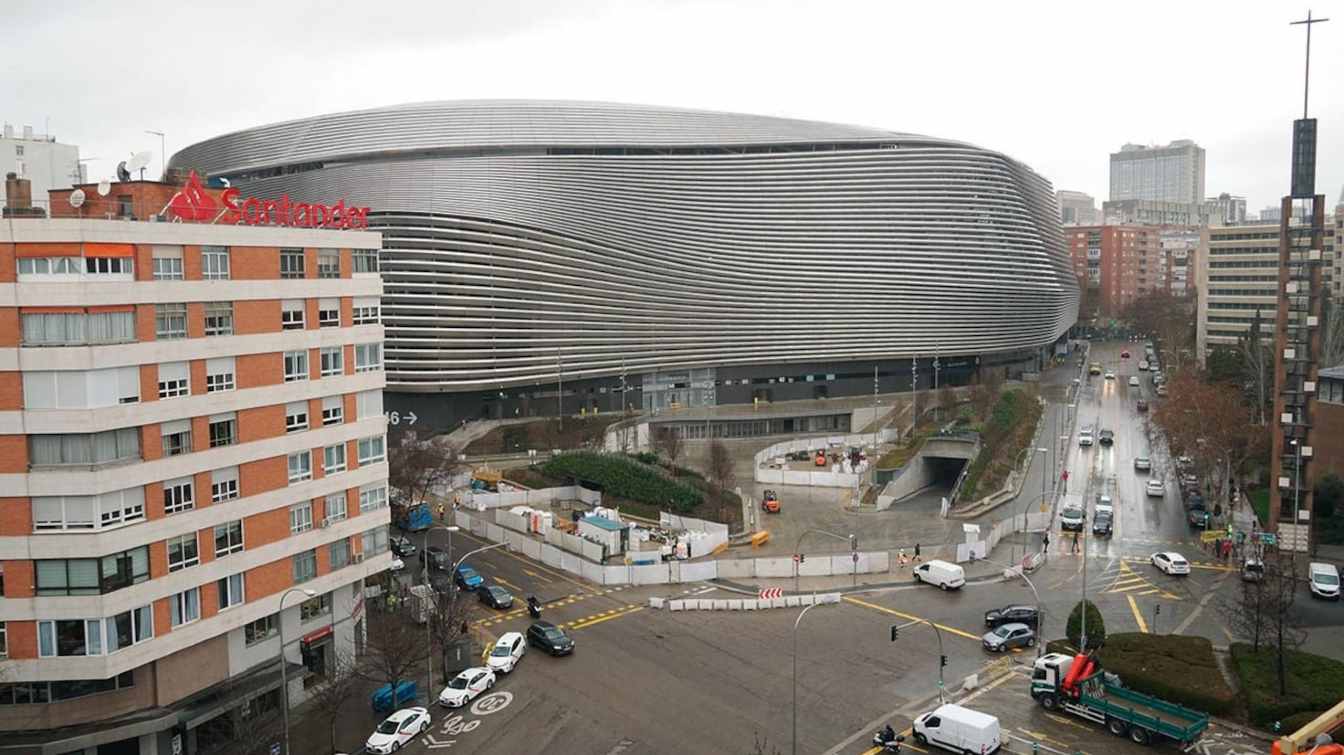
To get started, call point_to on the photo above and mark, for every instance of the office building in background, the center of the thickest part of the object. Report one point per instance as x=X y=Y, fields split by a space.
x=44 y=162
x=1170 y=173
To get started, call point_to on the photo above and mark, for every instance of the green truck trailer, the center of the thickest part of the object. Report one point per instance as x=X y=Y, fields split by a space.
x=1124 y=712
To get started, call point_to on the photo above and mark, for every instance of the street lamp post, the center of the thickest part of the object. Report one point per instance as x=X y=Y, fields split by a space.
x=796 y=622
x=429 y=637
x=1025 y=508
x=163 y=155
x=284 y=664
x=798 y=554
x=941 y=657
x=1040 y=607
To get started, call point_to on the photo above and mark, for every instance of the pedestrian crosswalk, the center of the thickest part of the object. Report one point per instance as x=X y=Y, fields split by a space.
x=494 y=619
x=1125 y=579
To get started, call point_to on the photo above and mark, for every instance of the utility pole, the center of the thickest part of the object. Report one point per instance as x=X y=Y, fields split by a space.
x=938 y=412
x=914 y=393
x=875 y=430
x=559 y=390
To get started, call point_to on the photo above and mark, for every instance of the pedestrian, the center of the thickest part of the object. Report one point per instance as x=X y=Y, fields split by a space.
x=442 y=509
x=900 y=557
x=1075 y=543
x=916 y=552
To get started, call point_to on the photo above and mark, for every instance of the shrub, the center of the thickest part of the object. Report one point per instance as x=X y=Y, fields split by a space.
x=1176 y=668
x=1314 y=683
x=625 y=477
x=1096 y=627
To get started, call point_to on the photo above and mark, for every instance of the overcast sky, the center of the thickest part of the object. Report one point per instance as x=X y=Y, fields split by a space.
x=1058 y=85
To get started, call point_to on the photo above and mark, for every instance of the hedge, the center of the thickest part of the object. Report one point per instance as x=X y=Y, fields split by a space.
x=1314 y=684
x=625 y=477
x=1176 y=668
x=1096 y=626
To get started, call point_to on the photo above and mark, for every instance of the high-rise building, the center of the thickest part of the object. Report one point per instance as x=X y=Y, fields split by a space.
x=1170 y=173
x=1180 y=249
x=191 y=433
x=1225 y=209
x=1077 y=208
x=1116 y=264
x=46 y=163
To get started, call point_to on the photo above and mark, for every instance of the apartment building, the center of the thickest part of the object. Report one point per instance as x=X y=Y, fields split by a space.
x=1238 y=272
x=1116 y=264
x=191 y=435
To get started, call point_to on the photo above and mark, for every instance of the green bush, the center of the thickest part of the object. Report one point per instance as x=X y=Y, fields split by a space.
x=625 y=477
x=1176 y=668
x=1096 y=627
x=1314 y=683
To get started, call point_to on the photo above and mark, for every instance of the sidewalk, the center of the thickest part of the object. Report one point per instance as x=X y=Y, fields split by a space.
x=899 y=576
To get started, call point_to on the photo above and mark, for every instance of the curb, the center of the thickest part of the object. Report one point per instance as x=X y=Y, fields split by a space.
x=750 y=590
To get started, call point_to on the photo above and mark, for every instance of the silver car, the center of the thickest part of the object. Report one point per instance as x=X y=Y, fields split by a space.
x=1009 y=636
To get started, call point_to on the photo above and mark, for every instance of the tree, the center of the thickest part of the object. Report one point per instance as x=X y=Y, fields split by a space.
x=991 y=384
x=668 y=442
x=1169 y=320
x=719 y=464
x=1224 y=365
x=1258 y=361
x=1332 y=333
x=327 y=701
x=1284 y=630
x=1096 y=627
x=1246 y=613
x=395 y=645
x=1210 y=423
x=449 y=625
x=947 y=400
x=418 y=467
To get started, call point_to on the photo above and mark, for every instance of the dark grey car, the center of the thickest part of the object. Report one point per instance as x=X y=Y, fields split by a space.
x=1009 y=636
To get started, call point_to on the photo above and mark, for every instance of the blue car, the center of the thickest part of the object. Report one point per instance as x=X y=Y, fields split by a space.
x=382 y=701
x=466 y=578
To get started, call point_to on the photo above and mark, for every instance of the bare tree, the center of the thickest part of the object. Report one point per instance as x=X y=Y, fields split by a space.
x=947 y=400
x=1170 y=320
x=1258 y=361
x=416 y=467
x=1285 y=631
x=449 y=625
x=668 y=442
x=328 y=701
x=720 y=464
x=1247 y=612
x=1211 y=424
x=991 y=384
x=395 y=646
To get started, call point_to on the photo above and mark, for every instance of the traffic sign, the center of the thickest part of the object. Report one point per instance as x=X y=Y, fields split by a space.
x=769 y=593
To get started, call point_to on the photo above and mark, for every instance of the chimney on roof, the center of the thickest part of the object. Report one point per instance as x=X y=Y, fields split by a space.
x=19 y=198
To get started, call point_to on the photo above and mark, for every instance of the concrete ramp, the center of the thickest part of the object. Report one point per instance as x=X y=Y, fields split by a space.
x=939 y=462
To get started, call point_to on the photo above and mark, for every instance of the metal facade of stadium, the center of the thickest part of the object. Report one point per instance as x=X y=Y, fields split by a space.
x=529 y=241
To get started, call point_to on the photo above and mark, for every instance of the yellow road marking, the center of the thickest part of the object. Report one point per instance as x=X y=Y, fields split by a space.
x=1138 y=615
x=1063 y=720
x=911 y=617
x=1193 y=565
x=503 y=581
x=1137 y=586
x=535 y=575
x=583 y=624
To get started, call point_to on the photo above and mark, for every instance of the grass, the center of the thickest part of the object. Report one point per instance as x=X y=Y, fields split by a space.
x=543 y=435
x=1260 y=503
x=1010 y=428
x=899 y=456
x=1176 y=668
x=1314 y=683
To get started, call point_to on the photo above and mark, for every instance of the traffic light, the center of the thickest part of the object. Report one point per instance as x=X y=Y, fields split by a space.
x=802 y=557
x=895 y=632
x=942 y=661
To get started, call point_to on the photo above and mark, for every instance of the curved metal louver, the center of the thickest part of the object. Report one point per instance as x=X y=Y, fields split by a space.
x=525 y=238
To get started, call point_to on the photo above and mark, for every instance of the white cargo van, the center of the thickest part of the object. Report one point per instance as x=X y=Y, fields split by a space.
x=947 y=576
x=958 y=729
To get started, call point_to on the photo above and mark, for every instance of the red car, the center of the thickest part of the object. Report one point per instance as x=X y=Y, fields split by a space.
x=1124 y=355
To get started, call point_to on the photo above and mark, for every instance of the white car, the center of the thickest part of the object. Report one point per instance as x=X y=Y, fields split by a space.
x=1143 y=364
x=1085 y=436
x=397 y=729
x=1156 y=488
x=397 y=564
x=1324 y=581
x=466 y=686
x=1142 y=463
x=1171 y=562
x=1110 y=375
x=1104 y=503
x=1134 y=381
x=507 y=652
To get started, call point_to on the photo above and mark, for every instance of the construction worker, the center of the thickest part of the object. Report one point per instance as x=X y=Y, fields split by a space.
x=442 y=509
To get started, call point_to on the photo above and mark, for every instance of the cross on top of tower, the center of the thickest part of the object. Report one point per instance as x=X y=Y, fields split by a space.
x=1306 y=83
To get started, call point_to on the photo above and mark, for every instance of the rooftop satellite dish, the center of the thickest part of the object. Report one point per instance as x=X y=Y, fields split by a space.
x=104 y=187
x=77 y=198
x=122 y=173
x=138 y=162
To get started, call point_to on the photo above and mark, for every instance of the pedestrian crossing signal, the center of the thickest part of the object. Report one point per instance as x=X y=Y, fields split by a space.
x=942 y=660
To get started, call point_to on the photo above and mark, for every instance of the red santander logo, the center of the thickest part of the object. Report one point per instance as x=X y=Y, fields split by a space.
x=194 y=204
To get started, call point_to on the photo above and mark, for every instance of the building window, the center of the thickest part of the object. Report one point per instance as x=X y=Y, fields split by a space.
x=305 y=568
x=215 y=262
x=224 y=484
x=42 y=266
x=300 y=517
x=223 y=430
x=332 y=360
x=77 y=328
x=334 y=507
x=366 y=260
x=84 y=449
x=122 y=266
x=371 y=450
x=176 y=437
x=296 y=366
x=365 y=310
x=291 y=263
x=167 y=263
x=177 y=495
x=87 y=512
x=129 y=628
x=69 y=637
x=183 y=552
x=316 y=606
x=81 y=389
x=219 y=374
x=170 y=321
x=296 y=416
x=291 y=314
x=328 y=263
x=92 y=576
x=219 y=318
x=374 y=541
x=329 y=313
x=262 y=629
x=185 y=607
x=340 y=554
x=230 y=591
x=333 y=410
x=228 y=538
x=368 y=357
x=300 y=466
x=174 y=379
x=368 y=404
x=372 y=498
x=333 y=459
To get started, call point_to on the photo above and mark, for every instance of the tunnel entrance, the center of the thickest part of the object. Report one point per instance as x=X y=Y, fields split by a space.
x=944 y=471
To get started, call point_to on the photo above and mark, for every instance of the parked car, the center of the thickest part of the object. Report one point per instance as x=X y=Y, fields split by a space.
x=1142 y=463
x=1252 y=570
x=1107 y=437
x=1008 y=636
x=1155 y=488
x=1323 y=579
x=549 y=637
x=1012 y=615
x=398 y=729
x=1198 y=516
x=508 y=651
x=1141 y=405
x=1133 y=381
x=495 y=596
x=1143 y=364
x=1171 y=562
x=438 y=557
x=1162 y=391
x=464 y=687
x=382 y=699
x=466 y=578
x=1072 y=518
x=402 y=545
x=1124 y=354
x=1101 y=523
x=945 y=575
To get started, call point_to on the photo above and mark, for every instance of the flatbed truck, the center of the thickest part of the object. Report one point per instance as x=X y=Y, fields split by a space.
x=1059 y=682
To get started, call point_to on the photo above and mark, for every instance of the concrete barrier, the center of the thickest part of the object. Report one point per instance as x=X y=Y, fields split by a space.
x=736 y=568
x=676 y=605
x=656 y=602
x=745 y=604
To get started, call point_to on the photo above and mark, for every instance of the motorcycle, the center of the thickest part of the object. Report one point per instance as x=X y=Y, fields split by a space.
x=533 y=607
x=889 y=744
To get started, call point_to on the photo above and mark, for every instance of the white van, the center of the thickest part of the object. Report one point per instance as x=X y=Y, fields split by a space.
x=947 y=576
x=1323 y=579
x=958 y=729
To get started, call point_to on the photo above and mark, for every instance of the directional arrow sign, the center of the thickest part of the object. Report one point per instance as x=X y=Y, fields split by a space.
x=411 y=418
x=435 y=744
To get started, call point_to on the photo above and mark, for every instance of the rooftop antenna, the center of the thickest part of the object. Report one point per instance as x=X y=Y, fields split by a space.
x=138 y=162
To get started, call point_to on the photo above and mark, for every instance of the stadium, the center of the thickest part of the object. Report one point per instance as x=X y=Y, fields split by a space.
x=603 y=257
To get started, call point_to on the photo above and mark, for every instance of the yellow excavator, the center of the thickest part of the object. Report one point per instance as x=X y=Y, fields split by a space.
x=1314 y=738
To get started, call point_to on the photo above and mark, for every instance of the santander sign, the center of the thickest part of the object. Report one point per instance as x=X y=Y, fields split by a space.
x=193 y=203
